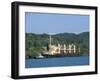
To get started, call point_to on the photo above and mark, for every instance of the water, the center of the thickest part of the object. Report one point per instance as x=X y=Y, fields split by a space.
x=55 y=62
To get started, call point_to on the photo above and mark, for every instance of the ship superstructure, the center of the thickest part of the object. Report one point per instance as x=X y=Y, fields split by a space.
x=61 y=50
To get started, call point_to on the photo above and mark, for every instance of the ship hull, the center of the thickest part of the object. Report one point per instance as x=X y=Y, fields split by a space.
x=60 y=55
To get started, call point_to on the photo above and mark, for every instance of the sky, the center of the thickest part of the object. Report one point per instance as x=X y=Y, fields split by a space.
x=40 y=23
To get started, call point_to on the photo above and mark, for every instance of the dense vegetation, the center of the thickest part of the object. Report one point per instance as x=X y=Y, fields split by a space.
x=35 y=42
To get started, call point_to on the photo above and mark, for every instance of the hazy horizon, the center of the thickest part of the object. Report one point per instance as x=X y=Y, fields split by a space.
x=56 y=33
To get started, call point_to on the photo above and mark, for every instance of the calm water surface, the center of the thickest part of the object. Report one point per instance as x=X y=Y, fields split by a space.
x=55 y=62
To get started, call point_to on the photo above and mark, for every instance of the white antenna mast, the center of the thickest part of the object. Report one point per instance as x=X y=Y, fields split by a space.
x=50 y=38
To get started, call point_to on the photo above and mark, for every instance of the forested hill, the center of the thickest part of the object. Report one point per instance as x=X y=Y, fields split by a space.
x=36 y=41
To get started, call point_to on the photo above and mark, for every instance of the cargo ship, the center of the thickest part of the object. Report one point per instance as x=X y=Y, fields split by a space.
x=60 y=50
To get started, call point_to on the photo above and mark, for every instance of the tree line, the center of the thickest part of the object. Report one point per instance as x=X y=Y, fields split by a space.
x=34 y=43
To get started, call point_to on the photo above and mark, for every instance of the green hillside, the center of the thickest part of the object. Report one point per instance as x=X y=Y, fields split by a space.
x=35 y=42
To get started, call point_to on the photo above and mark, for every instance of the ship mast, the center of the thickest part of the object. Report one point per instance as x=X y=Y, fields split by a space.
x=50 y=40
